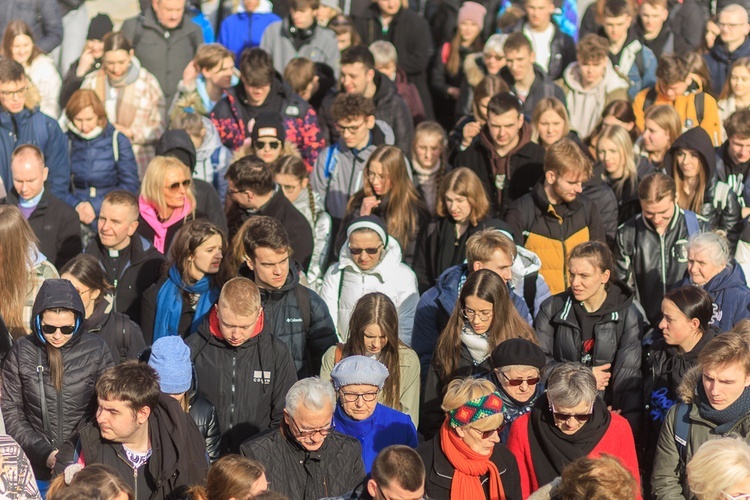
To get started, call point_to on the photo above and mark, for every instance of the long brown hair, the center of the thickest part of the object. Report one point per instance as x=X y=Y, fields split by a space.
x=54 y=356
x=16 y=260
x=14 y=29
x=506 y=322
x=231 y=476
x=453 y=64
x=694 y=202
x=187 y=240
x=404 y=202
x=464 y=182
x=378 y=309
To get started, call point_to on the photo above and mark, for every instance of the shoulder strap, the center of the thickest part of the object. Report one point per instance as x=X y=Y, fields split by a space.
x=42 y=394
x=691 y=220
x=700 y=103
x=216 y=157
x=338 y=353
x=116 y=145
x=304 y=304
x=529 y=290
x=682 y=430
x=650 y=98
x=331 y=159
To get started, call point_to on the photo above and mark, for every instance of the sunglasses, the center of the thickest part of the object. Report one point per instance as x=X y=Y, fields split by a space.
x=65 y=330
x=582 y=418
x=175 y=186
x=370 y=251
x=514 y=382
x=488 y=434
x=275 y=144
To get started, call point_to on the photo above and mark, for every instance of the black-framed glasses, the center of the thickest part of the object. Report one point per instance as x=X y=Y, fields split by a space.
x=65 y=330
x=367 y=397
x=232 y=192
x=352 y=129
x=581 y=418
x=176 y=185
x=324 y=431
x=470 y=314
x=273 y=144
x=369 y=251
x=515 y=382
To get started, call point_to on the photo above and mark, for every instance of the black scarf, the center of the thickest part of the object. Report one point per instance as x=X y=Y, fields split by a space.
x=727 y=417
x=552 y=450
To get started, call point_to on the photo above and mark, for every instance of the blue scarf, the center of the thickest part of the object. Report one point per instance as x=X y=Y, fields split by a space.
x=169 y=303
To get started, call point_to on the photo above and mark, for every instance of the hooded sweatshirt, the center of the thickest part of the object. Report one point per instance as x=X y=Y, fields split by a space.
x=730 y=295
x=212 y=159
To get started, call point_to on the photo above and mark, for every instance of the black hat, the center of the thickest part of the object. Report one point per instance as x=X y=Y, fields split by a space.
x=99 y=26
x=177 y=144
x=268 y=125
x=518 y=352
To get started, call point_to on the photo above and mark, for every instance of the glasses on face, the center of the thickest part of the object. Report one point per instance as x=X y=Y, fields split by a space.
x=581 y=418
x=488 y=434
x=374 y=176
x=515 y=382
x=367 y=397
x=369 y=251
x=352 y=129
x=14 y=93
x=65 y=330
x=289 y=188
x=232 y=192
x=470 y=314
x=324 y=431
x=175 y=186
x=273 y=144
x=494 y=57
x=729 y=26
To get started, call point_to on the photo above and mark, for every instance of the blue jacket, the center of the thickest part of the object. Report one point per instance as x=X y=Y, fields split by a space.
x=435 y=307
x=730 y=294
x=384 y=427
x=95 y=171
x=30 y=126
x=719 y=61
x=202 y=21
x=244 y=30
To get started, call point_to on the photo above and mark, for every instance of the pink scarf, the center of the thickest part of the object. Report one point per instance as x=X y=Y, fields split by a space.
x=149 y=214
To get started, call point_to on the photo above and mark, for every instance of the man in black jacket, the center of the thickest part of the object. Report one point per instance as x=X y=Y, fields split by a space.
x=554 y=49
x=55 y=224
x=503 y=156
x=241 y=368
x=305 y=458
x=143 y=434
x=131 y=263
x=251 y=188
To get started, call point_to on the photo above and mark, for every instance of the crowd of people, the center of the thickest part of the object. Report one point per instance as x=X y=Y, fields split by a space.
x=389 y=249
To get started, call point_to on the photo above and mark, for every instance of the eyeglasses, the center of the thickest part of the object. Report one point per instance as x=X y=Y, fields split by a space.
x=352 y=129
x=288 y=188
x=470 y=314
x=232 y=192
x=14 y=93
x=65 y=330
x=176 y=185
x=369 y=251
x=515 y=382
x=494 y=57
x=582 y=418
x=488 y=434
x=373 y=176
x=367 y=397
x=730 y=25
x=273 y=144
x=308 y=434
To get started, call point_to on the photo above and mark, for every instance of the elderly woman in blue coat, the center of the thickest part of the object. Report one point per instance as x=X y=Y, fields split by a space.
x=358 y=381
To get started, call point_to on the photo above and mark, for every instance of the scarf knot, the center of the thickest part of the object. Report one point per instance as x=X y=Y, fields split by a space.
x=169 y=303
x=151 y=216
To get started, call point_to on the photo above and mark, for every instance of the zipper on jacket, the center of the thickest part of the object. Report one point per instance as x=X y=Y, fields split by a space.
x=135 y=474
x=234 y=386
x=60 y=437
x=663 y=265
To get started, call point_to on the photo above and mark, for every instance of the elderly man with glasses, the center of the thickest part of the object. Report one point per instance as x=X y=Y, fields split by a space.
x=306 y=458
x=731 y=45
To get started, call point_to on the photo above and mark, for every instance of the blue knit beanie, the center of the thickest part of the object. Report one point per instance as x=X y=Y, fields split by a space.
x=170 y=357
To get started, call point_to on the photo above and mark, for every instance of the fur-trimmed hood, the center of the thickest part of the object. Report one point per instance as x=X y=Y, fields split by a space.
x=474 y=68
x=33 y=97
x=687 y=388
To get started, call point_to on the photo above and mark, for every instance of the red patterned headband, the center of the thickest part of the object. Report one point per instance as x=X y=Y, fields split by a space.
x=476 y=409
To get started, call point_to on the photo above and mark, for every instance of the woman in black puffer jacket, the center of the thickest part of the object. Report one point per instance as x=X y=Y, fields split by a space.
x=41 y=408
x=123 y=337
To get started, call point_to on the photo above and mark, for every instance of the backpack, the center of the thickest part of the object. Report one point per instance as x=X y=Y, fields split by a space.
x=682 y=432
x=529 y=290
x=302 y=294
x=699 y=99
x=691 y=221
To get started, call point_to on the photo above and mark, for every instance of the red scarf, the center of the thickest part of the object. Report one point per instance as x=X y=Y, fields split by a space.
x=470 y=466
x=215 y=329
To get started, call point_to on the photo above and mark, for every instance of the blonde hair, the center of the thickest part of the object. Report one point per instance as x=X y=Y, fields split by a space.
x=549 y=104
x=621 y=139
x=718 y=465
x=462 y=390
x=152 y=186
x=667 y=118
x=241 y=296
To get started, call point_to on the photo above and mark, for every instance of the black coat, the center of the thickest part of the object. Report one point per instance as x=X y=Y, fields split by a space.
x=562 y=50
x=56 y=226
x=333 y=470
x=72 y=82
x=542 y=87
x=123 y=337
x=138 y=272
x=230 y=378
x=440 y=471
x=206 y=419
x=297 y=228
x=178 y=461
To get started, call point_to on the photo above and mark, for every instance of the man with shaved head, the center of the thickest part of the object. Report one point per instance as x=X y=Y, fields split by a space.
x=55 y=224
x=731 y=44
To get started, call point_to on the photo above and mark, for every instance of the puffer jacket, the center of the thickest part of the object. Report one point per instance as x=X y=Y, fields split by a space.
x=345 y=283
x=206 y=419
x=665 y=482
x=310 y=204
x=212 y=160
x=720 y=206
x=651 y=263
x=333 y=470
x=285 y=321
x=617 y=340
x=25 y=397
x=247 y=402
x=730 y=295
x=719 y=60
x=96 y=169
x=123 y=337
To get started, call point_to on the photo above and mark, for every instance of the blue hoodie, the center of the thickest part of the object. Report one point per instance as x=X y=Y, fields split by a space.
x=730 y=295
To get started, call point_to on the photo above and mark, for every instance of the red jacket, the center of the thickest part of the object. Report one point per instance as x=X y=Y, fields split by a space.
x=617 y=441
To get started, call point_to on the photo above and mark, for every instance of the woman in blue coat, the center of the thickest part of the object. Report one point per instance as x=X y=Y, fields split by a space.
x=101 y=158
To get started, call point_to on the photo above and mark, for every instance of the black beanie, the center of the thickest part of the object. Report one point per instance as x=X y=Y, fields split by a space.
x=99 y=26
x=518 y=352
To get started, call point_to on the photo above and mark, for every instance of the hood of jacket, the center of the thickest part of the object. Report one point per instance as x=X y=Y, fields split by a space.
x=385 y=89
x=526 y=262
x=211 y=141
x=447 y=285
x=474 y=68
x=729 y=277
x=612 y=80
x=177 y=141
x=687 y=390
x=384 y=270
x=720 y=52
x=56 y=293
x=698 y=140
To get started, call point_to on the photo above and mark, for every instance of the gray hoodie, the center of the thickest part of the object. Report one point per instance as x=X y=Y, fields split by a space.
x=212 y=159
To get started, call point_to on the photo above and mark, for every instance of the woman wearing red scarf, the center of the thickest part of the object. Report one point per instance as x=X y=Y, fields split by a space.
x=465 y=459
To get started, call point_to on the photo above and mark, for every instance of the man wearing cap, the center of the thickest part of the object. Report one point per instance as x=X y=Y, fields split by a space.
x=306 y=458
x=370 y=261
x=518 y=370
x=358 y=381
x=90 y=60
